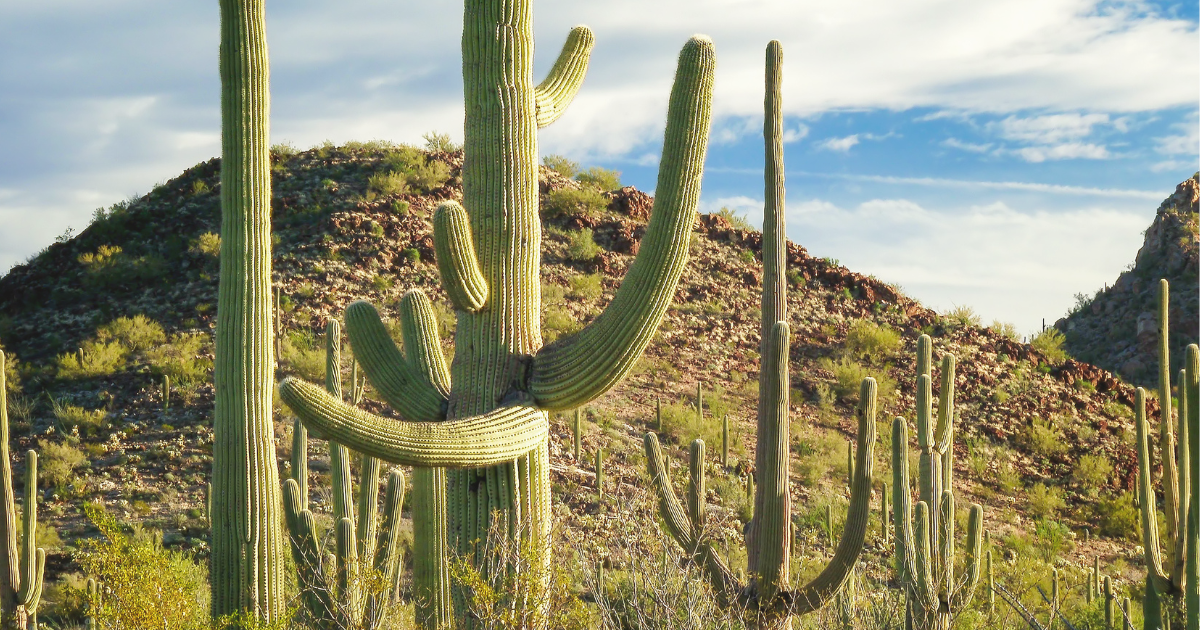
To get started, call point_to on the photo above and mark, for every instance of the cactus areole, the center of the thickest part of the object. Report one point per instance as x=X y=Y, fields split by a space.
x=490 y=426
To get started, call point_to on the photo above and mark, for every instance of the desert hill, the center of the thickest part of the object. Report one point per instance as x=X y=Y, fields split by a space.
x=353 y=222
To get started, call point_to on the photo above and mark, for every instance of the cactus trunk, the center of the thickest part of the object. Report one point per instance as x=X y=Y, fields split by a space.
x=247 y=544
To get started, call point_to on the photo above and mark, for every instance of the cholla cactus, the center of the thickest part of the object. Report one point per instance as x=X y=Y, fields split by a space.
x=490 y=419
x=20 y=573
x=1180 y=480
x=336 y=601
x=768 y=591
x=925 y=532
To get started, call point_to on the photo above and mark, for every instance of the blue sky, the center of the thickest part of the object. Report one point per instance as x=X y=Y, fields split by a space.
x=998 y=155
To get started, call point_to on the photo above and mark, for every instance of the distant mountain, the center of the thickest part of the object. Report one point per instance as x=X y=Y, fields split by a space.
x=1116 y=328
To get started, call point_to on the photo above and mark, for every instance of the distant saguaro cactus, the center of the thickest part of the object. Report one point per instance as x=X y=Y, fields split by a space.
x=488 y=250
x=925 y=532
x=769 y=542
x=247 y=542
x=20 y=571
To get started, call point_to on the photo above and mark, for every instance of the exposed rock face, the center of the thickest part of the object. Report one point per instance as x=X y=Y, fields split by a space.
x=1116 y=330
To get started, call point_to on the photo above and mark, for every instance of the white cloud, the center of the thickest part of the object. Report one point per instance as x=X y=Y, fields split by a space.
x=1066 y=151
x=1185 y=143
x=1050 y=129
x=954 y=143
x=840 y=144
x=795 y=134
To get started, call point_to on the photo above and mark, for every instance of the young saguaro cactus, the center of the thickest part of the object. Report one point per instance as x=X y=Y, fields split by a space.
x=20 y=571
x=925 y=545
x=768 y=591
x=504 y=381
x=247 y=542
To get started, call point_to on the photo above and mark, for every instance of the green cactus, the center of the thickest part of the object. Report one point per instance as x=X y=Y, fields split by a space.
x=247 y=543
x=20 y=570
x=925 y=532
x=768 y=593
x=1179 y=480
x=577 y=431
x=600 y=475
x=884 y=532
x=93 y=604
x=1190 y=406
x=504 y=380
x=342 y=601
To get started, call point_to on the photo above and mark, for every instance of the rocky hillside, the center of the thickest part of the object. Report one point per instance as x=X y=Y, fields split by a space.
x=353 y=222
x=1117 y=328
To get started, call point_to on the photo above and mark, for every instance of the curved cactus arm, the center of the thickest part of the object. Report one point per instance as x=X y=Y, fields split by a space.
x=669 y=508
x=391 y=375
x=496 y=437
x=557 y=90
x=945 y=560
x=300 y=461
x=34 y=598
x=577 y=369
x=964 y=592
x=921 y=587
x=825 y=586
x=930 y=477
x=945 y=429
x=1146 y=498
x=456 y=260
x=902 y=502
x=31 y=578
x=423 y=345
x=347 y=563
x=385 y=562
x=1166 y=443
x=1184 y=465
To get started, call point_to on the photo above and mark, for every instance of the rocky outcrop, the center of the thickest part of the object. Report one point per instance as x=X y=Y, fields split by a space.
x=1116 y=328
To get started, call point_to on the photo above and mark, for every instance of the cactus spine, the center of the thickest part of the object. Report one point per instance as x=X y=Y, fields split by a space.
x=247 y=544
x=20 y=570
x=769 y=542
x=504 y=380
x=1179 y=480
x=925 y=532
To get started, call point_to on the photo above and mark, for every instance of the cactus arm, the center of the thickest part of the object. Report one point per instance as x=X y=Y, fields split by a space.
x=825 y=586
x=368 y=507
x=495 y=437
x=774 y=290
x=902 y=502
x=33 y=560
x=669 y=507
x=391 y=375
x=697 y=506
x=773 y=507
x=386 y=559
x=34 y=597
x=945 y=560
x=1166 y=444
x=306 y=551
x=1146 y=497
x=456 y=261
x=929 y=483
x=945 y=428
x=1191 y=592
x=966 y=590
x=579 y=368
x=1183 y=464
x=922 y=587
x=557 y=90
x=10 y=567
x=300 y=461
x=423 y=345
x=347 y=563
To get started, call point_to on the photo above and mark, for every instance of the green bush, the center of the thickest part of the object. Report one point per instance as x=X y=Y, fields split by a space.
x=208 y=244
x=570 y=201
x=848 y=376
x=429 y=176
x=1045 y=501
x=1092 y=472
x=561 y=165
x=1050 y=344
x=581 y=246
x=95 y=359
x=388 y=183
x=109 y=266
x=180 y=359
x=440 y=143
x=404 y=158
x=962 y=316
x=145 y=585
x=586 y=286
x=1044 y=438
x=303 y=354
x=1006 y=330
x=602 y=178
x=136 y=333
x=871 y=342
x=737 y=221
x=558 y=322
x=57 y=463
x=71 y=418
x=1119 y=517
x=552 y=294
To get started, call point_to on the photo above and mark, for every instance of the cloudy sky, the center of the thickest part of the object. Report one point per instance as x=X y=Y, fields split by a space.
x=1002 y=155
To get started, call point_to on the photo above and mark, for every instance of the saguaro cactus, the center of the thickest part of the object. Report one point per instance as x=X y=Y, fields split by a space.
x=247 y=544
x=504 y=380
x=1180 y=484
x=768 y=590
x=925 y=532
x=20 y=572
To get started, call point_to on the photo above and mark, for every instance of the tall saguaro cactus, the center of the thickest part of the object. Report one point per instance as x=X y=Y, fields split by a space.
x=1180 y=484
x=489 y=422
x=21 y=568
x=925 y=558
x=247 y=544
x=769 y=542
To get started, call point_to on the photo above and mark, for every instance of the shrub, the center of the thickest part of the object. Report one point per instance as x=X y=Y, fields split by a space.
x=207 y=244
x=180 y=359
x=57 y=463
x=871 y=342
x=404 y=158
x=558 y=322
x=1052 y=539
x=304 y=355
x=602 y=178
x=380 y=282
x=136 y=333
x=1045 y=501
x=145 y=585
x=400 y=207
x=1092 y=472
x=586 y=286
x=552 y=294
x=73 y=418
x=581 y=246
x=109 y=266
x=962 y=316
x=1044 y=439
x=440 y=143
x=848 y=377
x=95 y=359
x=569 y=201
x=737 y=221
x=429 y=176
x=1050 y=344
x=1006 y=330
x=388 y=183
x=1119 y=517
x=561 y=165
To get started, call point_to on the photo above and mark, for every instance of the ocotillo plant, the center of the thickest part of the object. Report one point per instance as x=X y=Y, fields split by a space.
x=488 y=253
x=1179 y=480
x=247 y=544
x=20 y=570
x=768 y=592
x=340 y=599
x=925 y=533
